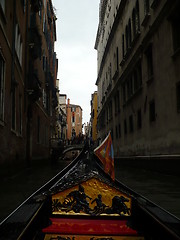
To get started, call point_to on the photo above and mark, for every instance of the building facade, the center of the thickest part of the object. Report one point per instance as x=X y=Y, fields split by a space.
x=28 y=70
x=74 y=121
x=12 y=80
x=42 y=98
x=138 y=47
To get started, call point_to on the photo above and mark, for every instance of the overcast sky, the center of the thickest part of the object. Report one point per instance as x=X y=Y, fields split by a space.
x=76 y=26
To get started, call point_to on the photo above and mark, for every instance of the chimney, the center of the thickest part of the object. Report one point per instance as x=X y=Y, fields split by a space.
x=68 y=101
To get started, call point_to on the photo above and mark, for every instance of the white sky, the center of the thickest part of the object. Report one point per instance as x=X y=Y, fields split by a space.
x=76 y=29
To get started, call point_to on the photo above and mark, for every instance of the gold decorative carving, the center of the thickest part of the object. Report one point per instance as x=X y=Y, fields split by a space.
x=92 y=197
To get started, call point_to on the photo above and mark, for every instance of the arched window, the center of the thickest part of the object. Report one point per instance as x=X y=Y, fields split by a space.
x=129 y=33
x=127 y=37
x=137 y=20
x=134 y=23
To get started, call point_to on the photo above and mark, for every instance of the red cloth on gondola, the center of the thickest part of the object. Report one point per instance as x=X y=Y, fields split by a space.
x=89 y=227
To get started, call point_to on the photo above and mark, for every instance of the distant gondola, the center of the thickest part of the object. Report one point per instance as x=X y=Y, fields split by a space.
x=83 y=202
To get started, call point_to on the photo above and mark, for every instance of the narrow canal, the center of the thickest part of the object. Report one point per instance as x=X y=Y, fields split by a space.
x=160 y=188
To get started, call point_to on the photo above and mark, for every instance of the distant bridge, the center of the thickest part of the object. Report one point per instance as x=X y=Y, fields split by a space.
x=69 y=148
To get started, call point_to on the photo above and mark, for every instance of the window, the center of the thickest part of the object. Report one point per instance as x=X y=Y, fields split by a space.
x=116 y=101
x=20 y=114
x=149 y=58
x=129 y=33
x=125 y=127
x=106 y=79
x=134 y=23
x=175 y=30
x=2 y=72
x=73 y=117
x=136 y=83
x=119 y=128
x=131 y=125
x=73 y=109
x=139 y=119
x=137 y=77
x=18 y=43
x=40 y=14
x=46 y=136
x=152 y=112
x=137 y=20
x=109 y=77
x=92 y=114
x=146 y=7
x=132 y=83
x=44 y=63
x=127 y=39
x=117 y=58
x=44 y=22
x=128 y=36
x=139 y=74
x=45 y=98
x=178 y=96
x=38 y=129
x=124 y=93
x=13 y=109
x=23 y=2
x=129 y=87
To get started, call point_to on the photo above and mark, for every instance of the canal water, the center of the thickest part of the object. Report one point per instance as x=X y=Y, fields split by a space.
x=160 y=188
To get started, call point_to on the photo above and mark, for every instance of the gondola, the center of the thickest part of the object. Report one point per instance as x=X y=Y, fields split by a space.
x=85 y=202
